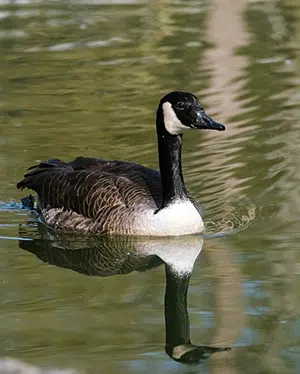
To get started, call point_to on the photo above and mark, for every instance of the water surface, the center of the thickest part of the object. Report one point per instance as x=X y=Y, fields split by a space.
x=84 y=78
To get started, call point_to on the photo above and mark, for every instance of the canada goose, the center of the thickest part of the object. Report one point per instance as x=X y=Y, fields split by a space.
x=91 y=195
x=112 y=255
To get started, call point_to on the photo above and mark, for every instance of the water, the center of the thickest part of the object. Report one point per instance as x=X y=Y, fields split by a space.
x=84 y=78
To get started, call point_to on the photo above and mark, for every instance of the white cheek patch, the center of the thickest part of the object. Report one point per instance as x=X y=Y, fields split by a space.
x=172 y=124
x=182 y=349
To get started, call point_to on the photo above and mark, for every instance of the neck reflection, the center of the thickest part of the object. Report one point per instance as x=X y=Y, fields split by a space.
x=106 y=256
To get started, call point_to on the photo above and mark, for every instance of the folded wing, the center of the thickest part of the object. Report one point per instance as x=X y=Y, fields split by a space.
x=95 y=189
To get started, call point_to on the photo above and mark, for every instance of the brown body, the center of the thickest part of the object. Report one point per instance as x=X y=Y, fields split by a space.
x=93 y=195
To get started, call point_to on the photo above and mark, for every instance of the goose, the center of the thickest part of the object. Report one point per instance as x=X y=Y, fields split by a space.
x=96 y=196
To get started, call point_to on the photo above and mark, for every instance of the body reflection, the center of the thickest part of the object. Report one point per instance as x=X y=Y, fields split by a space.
x=106 y=256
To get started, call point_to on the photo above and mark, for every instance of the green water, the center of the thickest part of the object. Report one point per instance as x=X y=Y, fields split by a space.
x=84 y=78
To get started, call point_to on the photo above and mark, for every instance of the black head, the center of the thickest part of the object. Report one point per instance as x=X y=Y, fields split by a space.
x=182 y=111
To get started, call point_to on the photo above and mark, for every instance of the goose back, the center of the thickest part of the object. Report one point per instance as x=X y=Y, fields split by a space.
x=93 y=195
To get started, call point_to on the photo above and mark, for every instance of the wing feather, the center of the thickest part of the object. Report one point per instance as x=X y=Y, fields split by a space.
x=94 y=189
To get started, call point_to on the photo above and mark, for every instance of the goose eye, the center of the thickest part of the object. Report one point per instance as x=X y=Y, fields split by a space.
x=180 y=105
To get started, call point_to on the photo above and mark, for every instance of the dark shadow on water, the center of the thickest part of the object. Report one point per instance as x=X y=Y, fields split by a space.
x=106 y=256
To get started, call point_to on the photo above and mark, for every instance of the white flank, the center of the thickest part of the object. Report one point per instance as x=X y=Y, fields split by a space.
x=50 y=215
x=179 y=218
x=172 y=124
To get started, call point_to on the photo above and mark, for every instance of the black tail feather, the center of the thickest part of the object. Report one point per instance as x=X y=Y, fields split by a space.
x=31 y=178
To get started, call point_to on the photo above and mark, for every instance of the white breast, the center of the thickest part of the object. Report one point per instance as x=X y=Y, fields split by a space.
x=179 y=218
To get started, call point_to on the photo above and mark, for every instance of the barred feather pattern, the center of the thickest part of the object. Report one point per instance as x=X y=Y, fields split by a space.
x=93 y=195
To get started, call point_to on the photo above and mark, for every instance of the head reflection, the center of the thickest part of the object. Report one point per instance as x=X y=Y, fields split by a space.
x=106 y=256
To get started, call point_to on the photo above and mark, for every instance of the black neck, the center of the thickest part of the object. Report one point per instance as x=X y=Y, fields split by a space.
x=177 y=321
x=176 y=314
x=169 y=151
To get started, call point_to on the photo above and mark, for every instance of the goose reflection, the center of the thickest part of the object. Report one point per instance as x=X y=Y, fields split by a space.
x=107 y=256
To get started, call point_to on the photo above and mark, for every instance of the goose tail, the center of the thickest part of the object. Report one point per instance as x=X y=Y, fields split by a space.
x=31 y=179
